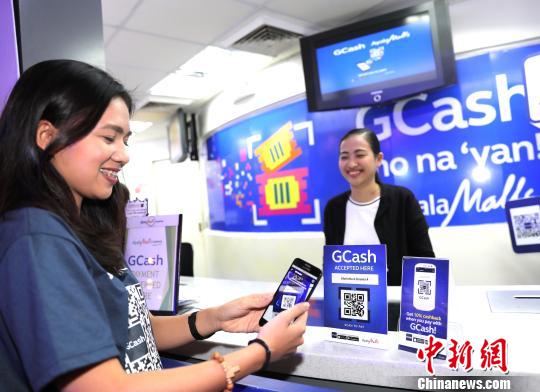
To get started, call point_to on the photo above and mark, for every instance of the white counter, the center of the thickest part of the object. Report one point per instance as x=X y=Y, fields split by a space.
x=470 y=319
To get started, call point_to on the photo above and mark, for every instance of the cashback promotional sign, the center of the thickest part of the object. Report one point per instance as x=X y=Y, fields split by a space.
x=355 y=307
x=152 y=255
x=463 y=150
x=424 y=303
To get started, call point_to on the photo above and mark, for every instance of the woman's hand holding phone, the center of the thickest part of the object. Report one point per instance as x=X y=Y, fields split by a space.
x=281 y=330
x=296 y=286
x=241 y=314
x=285 y=332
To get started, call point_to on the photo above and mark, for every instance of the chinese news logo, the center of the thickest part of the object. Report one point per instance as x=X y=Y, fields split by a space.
x=492 y=355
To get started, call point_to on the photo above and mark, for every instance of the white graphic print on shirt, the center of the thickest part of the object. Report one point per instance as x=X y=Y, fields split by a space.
x=141 y=349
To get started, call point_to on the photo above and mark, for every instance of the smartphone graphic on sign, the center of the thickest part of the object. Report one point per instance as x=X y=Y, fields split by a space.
x=296 y=286
x=532 y=86
x=425 y=276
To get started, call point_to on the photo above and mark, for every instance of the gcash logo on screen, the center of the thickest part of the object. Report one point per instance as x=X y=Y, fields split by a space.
x=348 y=49
x=350 y=257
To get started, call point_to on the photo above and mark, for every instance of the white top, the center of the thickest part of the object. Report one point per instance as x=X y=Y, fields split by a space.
x=360 y=222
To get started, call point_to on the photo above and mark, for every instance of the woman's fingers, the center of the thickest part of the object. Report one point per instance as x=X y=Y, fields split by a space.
x=256 y=301
x=298 y=310
x=302 y=319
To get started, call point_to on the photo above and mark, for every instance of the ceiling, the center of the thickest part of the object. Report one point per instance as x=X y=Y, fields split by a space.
x=145 y=40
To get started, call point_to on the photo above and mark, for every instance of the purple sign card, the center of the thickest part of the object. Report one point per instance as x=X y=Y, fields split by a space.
x=9 y=66
x=151 y=253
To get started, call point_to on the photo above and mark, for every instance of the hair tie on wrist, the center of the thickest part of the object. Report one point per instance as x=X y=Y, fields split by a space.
x=267 y=351
x=192 y=318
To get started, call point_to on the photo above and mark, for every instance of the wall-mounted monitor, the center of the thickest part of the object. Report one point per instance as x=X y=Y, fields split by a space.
x=176 y=136
x=182 y=137
x=379 y=59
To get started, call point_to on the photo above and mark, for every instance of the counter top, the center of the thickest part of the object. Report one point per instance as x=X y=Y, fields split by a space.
x=470 y=319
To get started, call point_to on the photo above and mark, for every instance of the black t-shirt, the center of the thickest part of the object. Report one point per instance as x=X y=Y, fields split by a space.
x=60 y=310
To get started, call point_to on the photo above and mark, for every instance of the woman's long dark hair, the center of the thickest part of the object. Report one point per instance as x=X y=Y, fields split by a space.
x=72 y=96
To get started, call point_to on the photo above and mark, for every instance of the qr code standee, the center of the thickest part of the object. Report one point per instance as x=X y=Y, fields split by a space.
x=354 y=304
x=527 y=225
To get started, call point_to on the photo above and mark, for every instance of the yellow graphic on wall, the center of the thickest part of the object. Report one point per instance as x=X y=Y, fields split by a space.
x=278 y=150
x=282 y=193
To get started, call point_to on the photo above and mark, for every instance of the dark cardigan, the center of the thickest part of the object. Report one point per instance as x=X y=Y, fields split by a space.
x=399 y=223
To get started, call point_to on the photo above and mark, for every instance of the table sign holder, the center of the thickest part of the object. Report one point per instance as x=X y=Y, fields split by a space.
x=355 y=294
x=424 y=303
x=152 y=254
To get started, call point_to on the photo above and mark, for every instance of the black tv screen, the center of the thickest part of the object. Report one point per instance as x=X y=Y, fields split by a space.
x=379 y=59
x=176 y=137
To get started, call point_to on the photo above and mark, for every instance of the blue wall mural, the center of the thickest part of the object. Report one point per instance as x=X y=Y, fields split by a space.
x=463 y=150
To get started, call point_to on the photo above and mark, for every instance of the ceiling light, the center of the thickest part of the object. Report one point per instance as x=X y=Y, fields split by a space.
x=209 y=72
x=139 y=126
x=171 y=100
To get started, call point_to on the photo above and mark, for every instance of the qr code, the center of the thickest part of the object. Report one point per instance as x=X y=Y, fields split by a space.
x=354 y=304
x=287 y=301
x=527 y=225
x=424 y=287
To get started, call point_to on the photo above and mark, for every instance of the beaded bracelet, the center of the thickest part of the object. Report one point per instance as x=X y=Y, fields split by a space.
x=267 y=351
x=192 y=318
x=230 y=371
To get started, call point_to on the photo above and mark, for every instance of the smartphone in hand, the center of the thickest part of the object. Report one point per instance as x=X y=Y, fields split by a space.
x=296 y=286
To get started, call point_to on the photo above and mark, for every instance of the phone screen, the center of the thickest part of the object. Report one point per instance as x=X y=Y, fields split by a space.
x=424 y=281
x=297 y=286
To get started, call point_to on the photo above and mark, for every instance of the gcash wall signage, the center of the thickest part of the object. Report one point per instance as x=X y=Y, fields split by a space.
x=464 y=151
